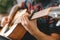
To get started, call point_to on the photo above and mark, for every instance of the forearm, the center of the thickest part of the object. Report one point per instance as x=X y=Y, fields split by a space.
x=9 y=17
x=13 y=11
x=41 y=36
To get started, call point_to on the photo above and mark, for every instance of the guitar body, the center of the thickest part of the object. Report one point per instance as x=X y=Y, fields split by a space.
x=17 y=33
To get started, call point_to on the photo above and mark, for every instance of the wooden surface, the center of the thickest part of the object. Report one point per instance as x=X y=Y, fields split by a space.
x=18 y=33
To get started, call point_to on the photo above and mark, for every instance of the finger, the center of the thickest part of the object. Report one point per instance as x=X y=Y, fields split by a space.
x=5 y=19
x=51 y=8
x=27 y=14
x=26 y=19
x=48 y=10
x=26 y=23
x=22 y=20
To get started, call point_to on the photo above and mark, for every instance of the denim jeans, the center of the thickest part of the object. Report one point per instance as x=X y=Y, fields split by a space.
x=4 y=38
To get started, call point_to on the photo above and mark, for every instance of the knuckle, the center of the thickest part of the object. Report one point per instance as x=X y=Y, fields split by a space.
x=26 y=24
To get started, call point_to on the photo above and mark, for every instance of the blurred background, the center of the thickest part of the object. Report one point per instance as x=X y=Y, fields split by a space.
x=5 y=7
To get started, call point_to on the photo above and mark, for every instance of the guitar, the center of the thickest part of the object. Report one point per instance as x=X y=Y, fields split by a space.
x=17 y=31
x=14 y=34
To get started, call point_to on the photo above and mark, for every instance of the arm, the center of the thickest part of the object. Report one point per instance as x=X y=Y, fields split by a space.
x=9 y=17
x=31 y=27
x=13 y=11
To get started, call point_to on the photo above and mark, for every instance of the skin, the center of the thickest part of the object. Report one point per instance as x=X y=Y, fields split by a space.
x=31 y=27
x=4 y=21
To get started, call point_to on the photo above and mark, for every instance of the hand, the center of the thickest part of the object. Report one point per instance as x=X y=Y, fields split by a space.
x=29 y=25
x=4 y=21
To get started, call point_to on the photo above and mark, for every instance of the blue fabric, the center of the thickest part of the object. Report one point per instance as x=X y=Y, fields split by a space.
x=52 y=2
x=45 y=27
x=3 y=38
x=43 y=4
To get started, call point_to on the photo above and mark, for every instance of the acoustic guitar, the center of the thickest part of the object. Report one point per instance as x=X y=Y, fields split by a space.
x=16 y=30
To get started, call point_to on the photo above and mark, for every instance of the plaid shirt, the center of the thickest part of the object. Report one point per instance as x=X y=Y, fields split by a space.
x=31 y=5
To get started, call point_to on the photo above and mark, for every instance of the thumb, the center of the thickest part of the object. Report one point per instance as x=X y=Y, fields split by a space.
x=27 y=14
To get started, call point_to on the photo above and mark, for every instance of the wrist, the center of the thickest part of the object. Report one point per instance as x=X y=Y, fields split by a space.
x=36 y=34
x=40 y=35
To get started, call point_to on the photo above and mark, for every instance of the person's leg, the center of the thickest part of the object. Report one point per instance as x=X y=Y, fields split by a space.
x=4 y=38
